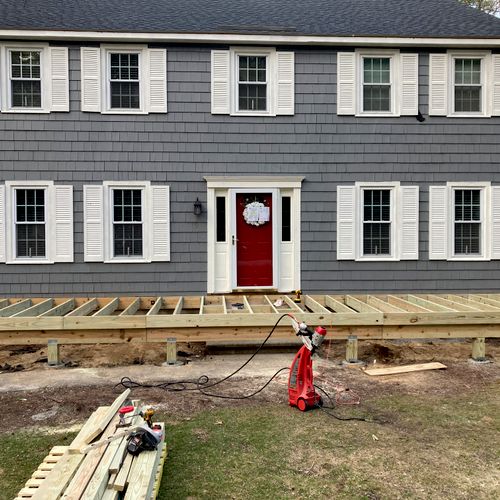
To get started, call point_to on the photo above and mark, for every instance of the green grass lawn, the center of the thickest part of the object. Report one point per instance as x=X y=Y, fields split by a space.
x=431 y=447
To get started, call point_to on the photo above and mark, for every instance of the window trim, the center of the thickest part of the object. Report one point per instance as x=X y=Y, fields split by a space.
x=10 y=226
x=486 y=98
x=106 y=51
x=271 y=78
x=6 y=100
x=485 y=199
x=393 y=187
x=109 y=186
x=393 y=55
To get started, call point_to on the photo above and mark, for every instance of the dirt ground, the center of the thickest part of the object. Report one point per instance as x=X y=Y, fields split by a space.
x=70 y=406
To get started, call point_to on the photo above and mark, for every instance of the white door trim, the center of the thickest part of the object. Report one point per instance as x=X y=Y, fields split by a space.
x=221 y=272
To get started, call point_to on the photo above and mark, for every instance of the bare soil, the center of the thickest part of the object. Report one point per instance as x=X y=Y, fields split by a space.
x=72 y=405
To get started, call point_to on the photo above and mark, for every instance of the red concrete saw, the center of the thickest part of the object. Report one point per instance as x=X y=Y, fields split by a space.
x=301 y=391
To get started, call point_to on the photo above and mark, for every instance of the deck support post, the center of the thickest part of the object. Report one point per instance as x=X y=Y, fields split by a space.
x=351 y=352
x=171 y=351
x=53 y=358
x=479 y=349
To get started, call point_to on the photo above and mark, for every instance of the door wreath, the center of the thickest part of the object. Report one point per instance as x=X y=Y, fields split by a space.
x=253 y=213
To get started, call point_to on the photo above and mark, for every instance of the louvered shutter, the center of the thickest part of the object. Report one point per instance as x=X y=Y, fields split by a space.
x=63 y=222
x=495 y=222
x=409 y=84
x=221 y=84
x=3 y=226
x=93 y=223
x=408 y=230
x=495 y=61
x=59 y=78
x=346 y=83
x=91 y=79
x=285 y=93
x=346 y=222
x=157 y=80
x=438 y=223
x=438 y=84
x=160 y=216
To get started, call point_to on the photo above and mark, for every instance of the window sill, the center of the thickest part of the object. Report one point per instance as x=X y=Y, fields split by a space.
x=468 y=115
x=128 y=261
x=249 y=113
x=376 y=115
x=377 y=259
x=26 y=111
x=124 y=112
x=468 y=258
x=30 y=261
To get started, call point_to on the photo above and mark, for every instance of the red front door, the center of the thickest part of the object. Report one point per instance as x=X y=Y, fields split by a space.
x=254 y=241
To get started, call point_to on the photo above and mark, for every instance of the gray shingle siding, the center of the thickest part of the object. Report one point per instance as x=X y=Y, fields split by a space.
x=179 y=148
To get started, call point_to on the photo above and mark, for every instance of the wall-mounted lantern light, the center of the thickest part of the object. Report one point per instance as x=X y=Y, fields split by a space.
x=197 y=208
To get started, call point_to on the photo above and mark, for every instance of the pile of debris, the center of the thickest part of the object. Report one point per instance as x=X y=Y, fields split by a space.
x=119 y=453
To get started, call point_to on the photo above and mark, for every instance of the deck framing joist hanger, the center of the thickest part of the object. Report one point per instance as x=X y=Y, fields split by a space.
x=73 y=320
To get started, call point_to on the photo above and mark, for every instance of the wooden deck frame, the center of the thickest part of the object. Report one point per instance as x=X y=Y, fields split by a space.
x=72 y=320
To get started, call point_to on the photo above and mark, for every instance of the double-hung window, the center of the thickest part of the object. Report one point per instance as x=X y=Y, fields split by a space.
x=377 y=221
x=464 y=83
x=377 y=84
x=467 y=223
x=127 y=222
x=464 y=221
x=25 y=78
x=30 y=223
x=124 y=80
x=468 y=85
x=36 y=222
x=252 y=83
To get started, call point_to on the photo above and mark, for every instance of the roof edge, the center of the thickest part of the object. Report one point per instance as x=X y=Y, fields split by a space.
x=246 y=39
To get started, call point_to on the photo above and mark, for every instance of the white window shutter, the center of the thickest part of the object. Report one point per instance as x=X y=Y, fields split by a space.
x=408 y=230
x=495 y=61
x=346 y=83
x=409 y=84
x=438 y=222
x=346 y=222
x=221 y=82
x=91 y=79
x=63 y=223
x=2 y=225
x=59 y=78
x=157 y=80
x=438 y=84
x=285 y=92
x=495 y=222
x=160 y=216
x=93 y=223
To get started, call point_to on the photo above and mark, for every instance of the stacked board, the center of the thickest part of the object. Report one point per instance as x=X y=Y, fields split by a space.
x=96 y=465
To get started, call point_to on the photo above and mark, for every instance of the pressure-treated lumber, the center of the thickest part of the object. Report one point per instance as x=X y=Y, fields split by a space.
x=478 y=349
x=82 y=477
x=87 y=429
x=121 y=480
x=113 y=409
x=61 y=309
x=109 y=308
x=159 y=472
x=132 y=308
x=155 y=308
x=392 y=370
x=15 y=308
x=35 y=310
x=86 y=308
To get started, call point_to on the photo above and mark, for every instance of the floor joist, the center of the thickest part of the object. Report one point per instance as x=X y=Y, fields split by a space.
x=233 y=317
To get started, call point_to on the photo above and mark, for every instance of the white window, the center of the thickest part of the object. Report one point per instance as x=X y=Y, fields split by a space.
x=377 y=221
x=464 y=84
x=252 y=81
x=464 y=221
x=36 y=222
x=124 y=79
x=126 y=222
x=377 y=83
x=35 y=79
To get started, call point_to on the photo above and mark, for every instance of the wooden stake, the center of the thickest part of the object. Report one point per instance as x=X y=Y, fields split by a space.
x=171 y=351
x=479 y=349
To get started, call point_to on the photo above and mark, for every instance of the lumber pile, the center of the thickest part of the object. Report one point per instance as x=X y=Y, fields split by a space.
x=96 y=465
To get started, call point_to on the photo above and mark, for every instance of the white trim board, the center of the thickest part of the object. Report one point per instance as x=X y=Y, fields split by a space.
x=358 y=41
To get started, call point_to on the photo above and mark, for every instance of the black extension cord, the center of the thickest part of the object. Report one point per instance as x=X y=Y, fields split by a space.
x=202 y=383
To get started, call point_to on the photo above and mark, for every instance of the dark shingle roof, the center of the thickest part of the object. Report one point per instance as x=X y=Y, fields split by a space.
x=408 y=18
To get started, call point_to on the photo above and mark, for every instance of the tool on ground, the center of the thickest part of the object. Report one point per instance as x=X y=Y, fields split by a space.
x=122 y=412
x=147 y=415
x=144 y=439
x=301 y=391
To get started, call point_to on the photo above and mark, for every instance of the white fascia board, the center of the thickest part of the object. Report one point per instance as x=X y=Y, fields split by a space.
x=361 y=41
x=253 y=181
